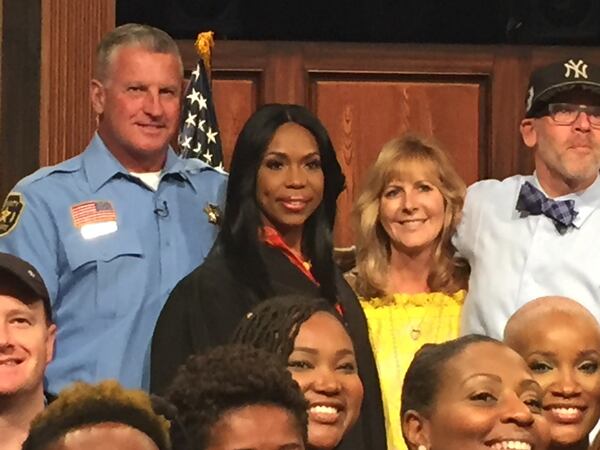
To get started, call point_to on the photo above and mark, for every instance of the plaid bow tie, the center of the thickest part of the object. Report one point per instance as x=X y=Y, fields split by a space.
x=533 y=201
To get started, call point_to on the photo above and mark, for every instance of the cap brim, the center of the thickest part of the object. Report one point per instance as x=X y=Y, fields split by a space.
x=547 y=94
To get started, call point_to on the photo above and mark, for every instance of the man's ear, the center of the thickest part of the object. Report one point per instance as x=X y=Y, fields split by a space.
x=416 y=430
x=50 y=341
x=528 y=132
x=97 y=96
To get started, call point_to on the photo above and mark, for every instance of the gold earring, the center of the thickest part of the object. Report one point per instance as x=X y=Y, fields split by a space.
x=421 y=447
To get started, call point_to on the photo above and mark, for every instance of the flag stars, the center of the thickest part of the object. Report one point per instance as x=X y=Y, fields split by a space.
x=195 y=97
x=196 y=72
x=202 y=102
x=211 y=135
x=198 y=130
x=186 y=142
x=191 y=119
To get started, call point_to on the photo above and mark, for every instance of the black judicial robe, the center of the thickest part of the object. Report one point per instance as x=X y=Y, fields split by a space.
x=206 y=306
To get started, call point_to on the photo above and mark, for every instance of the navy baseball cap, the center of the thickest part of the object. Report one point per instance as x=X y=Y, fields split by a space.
x=28 y=276
x=547 y=81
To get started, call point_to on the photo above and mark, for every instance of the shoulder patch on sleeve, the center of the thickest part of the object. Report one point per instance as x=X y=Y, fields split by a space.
x=11 y=211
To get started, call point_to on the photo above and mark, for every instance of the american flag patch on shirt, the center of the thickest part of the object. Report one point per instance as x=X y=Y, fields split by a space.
x=92 y=212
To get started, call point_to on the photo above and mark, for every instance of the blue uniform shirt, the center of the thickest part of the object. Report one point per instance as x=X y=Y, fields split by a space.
x=107 y=291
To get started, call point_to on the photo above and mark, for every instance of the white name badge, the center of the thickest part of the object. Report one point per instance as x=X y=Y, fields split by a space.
x=94 y=230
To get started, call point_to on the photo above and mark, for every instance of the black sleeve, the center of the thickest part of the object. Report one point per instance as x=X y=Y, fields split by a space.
x=201 y=312
x=172 y=340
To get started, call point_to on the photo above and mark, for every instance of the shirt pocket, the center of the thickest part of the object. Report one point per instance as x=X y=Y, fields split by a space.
x=106 y=266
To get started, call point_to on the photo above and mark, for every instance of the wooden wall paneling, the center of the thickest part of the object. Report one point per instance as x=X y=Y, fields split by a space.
x=364 y=111
x=70 y=33
x=510 y=76
x=285 y=80
x=19 y=101
x=1 y=36
x=236 y=96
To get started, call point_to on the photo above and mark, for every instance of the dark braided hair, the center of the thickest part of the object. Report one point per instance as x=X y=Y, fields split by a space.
x=226 y=378
x=424 y=375
x=84 y=405
x=274 y=324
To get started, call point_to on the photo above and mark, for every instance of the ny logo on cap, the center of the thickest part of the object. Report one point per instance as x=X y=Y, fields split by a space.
x=579 y=68
x=530 y=98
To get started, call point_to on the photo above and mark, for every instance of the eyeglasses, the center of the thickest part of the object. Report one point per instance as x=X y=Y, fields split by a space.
x=567 y=113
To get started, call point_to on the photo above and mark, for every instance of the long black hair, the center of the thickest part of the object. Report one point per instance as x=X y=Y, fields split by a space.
x=239 y=237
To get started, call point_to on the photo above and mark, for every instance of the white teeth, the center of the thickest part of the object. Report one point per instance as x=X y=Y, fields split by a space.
x=322 y=409
x=511 y=445
x=10 y=362
x=566 y=412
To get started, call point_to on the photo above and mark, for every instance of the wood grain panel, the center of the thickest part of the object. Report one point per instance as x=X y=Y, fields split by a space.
x=19 y=101
x=1 y=39
x=363 y=114
x=236 y=97
x=70 y=33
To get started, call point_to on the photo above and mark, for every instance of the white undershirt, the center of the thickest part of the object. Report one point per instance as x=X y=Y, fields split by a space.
x=150 y=179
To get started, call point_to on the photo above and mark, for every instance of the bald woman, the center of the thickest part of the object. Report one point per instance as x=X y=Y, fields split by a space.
x=560 y=340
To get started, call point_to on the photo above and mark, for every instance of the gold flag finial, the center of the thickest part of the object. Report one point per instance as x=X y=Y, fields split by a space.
x=204 y=45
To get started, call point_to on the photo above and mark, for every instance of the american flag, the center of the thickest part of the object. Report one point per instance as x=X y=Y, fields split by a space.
x=92 y=212
x=199 y=132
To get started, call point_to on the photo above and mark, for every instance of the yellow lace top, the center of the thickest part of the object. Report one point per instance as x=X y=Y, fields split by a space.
x=399 y=324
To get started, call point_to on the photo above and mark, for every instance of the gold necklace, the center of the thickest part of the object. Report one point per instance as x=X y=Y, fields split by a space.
x=415 y=330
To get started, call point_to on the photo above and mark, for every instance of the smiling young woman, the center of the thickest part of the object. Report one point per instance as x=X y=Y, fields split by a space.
x=472 y=393
x=309 y=336
x=560 y=341
x=410 y=283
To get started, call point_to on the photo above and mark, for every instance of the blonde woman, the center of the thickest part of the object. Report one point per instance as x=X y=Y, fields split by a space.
x=410 y=283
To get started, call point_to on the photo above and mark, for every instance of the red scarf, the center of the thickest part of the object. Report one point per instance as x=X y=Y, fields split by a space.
x=272 y=238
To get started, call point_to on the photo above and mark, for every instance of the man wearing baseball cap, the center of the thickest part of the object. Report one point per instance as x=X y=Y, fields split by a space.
x=26 y=347
x=538 y=235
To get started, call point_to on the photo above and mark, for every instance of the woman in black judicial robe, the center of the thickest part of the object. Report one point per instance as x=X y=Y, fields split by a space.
x=275 y=238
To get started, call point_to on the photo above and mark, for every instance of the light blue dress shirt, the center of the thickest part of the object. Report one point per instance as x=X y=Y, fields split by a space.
x=108 y=291
x=517 y=259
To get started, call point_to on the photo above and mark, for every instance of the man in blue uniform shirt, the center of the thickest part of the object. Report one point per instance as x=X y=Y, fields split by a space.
x=114 y=229
x=537 y=235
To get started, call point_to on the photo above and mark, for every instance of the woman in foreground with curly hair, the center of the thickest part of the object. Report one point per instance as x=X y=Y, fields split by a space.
x=410 y=283
x=236 y=397
x=98 y=417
